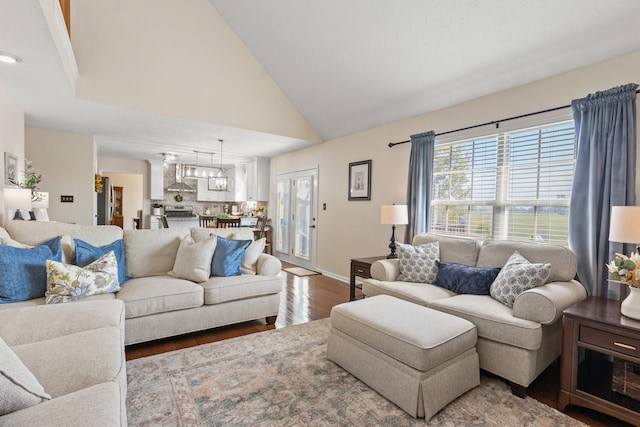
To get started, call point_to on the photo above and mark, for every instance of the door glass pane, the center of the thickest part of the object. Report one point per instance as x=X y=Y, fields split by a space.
x=283 y=212
x=303 y=188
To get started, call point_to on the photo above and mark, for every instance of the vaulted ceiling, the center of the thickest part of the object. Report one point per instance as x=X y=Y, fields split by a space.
x=344 y=65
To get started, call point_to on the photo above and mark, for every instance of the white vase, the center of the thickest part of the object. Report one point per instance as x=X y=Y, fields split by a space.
x=630 y=307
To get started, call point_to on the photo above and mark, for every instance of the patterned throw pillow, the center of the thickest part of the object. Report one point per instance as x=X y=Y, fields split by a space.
x=518 y=275
x=418 y=263
x=67 y=282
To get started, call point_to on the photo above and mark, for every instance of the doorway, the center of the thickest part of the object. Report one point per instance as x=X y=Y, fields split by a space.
x=295 y=220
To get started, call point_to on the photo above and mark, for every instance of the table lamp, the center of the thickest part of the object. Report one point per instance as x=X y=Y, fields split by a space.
x=625 y=225
x=394 y=215
x=40 y=206
x=16 y=199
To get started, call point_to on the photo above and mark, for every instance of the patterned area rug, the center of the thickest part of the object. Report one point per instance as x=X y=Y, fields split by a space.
x=283 y=378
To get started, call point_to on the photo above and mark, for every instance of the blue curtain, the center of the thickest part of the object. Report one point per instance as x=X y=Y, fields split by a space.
x=605 y=176
x=419 y=184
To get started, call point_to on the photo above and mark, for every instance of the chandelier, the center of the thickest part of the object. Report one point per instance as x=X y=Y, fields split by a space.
x=219 y=182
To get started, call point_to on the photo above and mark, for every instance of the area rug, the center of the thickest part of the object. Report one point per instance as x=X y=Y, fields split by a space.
x=283 y=378
x=299 y=271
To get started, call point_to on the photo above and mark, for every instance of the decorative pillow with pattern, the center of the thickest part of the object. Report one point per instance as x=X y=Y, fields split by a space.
x=67 y=282
x=418 y=263
x=518 y=275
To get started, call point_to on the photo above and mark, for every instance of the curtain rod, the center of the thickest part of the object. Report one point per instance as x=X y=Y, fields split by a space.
x=495 y=122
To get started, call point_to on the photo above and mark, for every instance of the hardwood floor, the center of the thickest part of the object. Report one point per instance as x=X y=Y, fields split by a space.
x=311 y=298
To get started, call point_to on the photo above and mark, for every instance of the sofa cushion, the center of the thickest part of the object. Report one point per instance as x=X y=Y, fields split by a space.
x=18 y=387
x=156 y=294
x=564 y=263
x=222 y=289
x=493 y=319
x=228 y=256
x=16 y=325
x=73 y=362
x=23 y=273
x=86 y=253
x=152 y=252
x=95 y=406
x=193 y=260
x=464 y=279
x=417 y=293
x=518 y=275
x=67 y=283
x=461 y=250
x=418 y=263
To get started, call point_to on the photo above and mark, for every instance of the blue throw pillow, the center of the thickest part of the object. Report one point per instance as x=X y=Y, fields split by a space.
x=86 y=253
x=228 y=256
x=23 y=271
x=463 y=279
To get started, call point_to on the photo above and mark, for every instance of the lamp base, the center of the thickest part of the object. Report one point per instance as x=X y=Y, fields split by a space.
x=392 y=244
x=18 y=215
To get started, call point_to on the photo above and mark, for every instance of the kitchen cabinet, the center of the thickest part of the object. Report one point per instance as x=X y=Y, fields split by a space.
x=203 y=194
x=237 y=183
x=258 y=176
x=156 y=178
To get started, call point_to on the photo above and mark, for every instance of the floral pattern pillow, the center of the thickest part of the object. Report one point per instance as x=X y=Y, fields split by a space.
x=518 y=275
x=418 y=263
x=69 y=282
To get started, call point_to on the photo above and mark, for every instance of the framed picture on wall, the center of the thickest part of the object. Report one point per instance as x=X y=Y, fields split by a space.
x=360 y=180
x=10 y=168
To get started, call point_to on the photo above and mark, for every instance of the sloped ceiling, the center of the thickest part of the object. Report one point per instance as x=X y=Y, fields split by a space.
x=346 y=65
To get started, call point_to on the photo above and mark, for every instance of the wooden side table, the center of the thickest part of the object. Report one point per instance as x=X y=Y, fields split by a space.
x=594 y=336
x=360 y=267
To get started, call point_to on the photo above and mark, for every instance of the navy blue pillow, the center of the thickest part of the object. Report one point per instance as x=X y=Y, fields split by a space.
x=228 y=256
x=23 y=271
x=86 y=253
x=463 y=279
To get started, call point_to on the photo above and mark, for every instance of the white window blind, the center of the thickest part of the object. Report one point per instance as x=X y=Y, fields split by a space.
x=511 y=185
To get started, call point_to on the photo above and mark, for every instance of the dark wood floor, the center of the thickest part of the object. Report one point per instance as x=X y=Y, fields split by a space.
x=311 y=298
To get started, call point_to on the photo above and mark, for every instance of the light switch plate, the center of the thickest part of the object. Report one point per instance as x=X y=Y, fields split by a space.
x=66 y=199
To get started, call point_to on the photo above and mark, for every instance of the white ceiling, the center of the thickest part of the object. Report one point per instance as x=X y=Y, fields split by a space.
x=347 y=65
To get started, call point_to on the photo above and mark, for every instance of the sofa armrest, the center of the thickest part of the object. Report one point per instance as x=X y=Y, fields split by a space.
x=386 y=270
x=546 y=303
x=268 y=265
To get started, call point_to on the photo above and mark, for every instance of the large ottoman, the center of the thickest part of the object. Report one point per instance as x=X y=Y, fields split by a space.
x=418 y=358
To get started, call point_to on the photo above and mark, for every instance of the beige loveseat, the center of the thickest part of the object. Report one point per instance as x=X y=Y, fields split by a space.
x=516 y=343
x=158 y=305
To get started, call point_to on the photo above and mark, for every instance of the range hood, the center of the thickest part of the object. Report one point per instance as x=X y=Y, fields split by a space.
x=178 y=185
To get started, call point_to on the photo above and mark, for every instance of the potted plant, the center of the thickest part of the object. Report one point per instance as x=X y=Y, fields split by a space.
x=31 y=179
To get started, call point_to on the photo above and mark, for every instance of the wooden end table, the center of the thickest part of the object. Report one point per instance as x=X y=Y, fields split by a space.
x=360 y=267
x=594 y=334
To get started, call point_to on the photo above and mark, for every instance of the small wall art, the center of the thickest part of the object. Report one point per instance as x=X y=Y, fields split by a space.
x=10 y=169
x=360 y=180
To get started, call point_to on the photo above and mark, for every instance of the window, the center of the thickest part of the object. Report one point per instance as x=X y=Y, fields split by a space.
x=512 y=185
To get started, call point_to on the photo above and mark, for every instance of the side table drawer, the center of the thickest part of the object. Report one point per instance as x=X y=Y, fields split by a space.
x=362 y=271
x=613 y=342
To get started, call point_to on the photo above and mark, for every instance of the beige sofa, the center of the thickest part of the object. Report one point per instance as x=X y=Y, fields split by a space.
x=516 y=343
x=158 y=305
x=76 y=353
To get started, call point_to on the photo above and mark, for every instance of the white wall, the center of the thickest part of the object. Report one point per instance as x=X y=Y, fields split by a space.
x=352 y=229
x=132 y=194
x=147 y=55
x=11 y=140
x=65 y=161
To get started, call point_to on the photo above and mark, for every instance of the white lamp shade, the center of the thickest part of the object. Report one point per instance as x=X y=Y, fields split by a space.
x=625 y=224
x=42 y=200
x=394 y=214
x=17 y=198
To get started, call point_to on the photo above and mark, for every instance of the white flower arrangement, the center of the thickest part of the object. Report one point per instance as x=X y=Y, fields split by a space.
x=625 y=269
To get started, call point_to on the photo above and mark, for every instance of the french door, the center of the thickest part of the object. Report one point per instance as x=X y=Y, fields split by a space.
x=295 y=219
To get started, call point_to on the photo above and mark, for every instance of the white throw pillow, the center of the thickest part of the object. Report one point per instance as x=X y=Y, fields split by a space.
x=251 y=255
x=193 y=261
x=19 y=389
x=66 y=282
x=518 y=275
x=418 y=263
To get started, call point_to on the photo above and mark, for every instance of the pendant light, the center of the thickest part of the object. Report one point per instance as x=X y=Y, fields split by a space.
x=220 y=181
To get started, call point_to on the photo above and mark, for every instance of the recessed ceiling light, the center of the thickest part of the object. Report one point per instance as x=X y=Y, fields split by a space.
x=9 y=58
